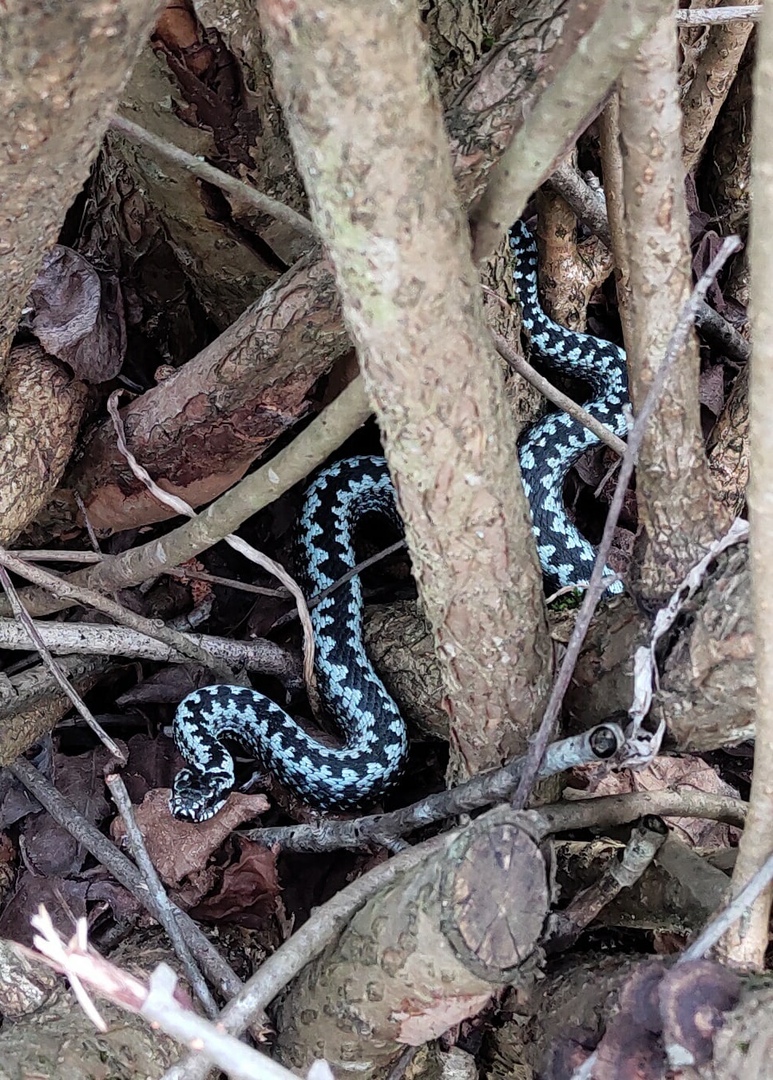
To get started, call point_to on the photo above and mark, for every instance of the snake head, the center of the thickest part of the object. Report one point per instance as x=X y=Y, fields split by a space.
x=198 y=798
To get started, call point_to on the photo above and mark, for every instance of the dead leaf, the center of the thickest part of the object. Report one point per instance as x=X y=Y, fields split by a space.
x=64 y=899
x=168 y=686
x=79 y=315
x=671 y=773
x=180 y=848
x=249 y=889
x=50 y=849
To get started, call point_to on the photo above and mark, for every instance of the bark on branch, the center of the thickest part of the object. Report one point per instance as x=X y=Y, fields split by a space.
x=673 y=483
x=62 y=70
x=436 y=943
x=746 y=943
x=382 y=195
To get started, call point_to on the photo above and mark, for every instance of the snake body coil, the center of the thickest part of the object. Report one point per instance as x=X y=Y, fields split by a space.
x=374 y=738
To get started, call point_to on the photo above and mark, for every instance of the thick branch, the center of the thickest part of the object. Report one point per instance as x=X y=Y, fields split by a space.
x=382 y=196
x=575 y=95
x=436 y=943
x=712 y=81
x=41 y=409
x=745 y=944
x=673 y=487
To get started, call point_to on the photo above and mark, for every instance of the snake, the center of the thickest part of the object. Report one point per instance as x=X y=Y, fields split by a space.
x=373 y=737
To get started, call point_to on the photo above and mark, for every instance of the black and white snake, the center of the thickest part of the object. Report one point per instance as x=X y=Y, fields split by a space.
x=374 y=743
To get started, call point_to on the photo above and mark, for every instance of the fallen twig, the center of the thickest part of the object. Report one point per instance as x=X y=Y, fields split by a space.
x=598 y=744
x=55 y=670
x=65 y=588
x=93 y=639
x=204 y=171
x=565 y=926
x=167 y=912
x=562 y=401
x=707 y=16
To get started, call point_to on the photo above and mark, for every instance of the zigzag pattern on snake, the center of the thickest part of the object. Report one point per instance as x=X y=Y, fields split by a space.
x=374 y=743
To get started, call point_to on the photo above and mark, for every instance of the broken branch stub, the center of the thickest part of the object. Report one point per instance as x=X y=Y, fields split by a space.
x=423 y=954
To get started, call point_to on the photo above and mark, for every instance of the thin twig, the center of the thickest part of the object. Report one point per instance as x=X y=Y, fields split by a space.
x=711 y=16
x=264 y=203
x=602 y=811
x=48 y=555
x=718 y=926
x=565 y=403
x=230 y=583
x=60 y=678
x=93 y=538
x=93 y=639
x=398 y=545
x=565 y=926
x=596 y=585
x=64 y=587
x=606 y=811
x=323 y=926
x=167 y=912
x=591 y=746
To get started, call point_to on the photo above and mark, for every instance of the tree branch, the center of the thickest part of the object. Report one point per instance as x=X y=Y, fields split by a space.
x=745 y=944
x=397 y=238
x=674 y=492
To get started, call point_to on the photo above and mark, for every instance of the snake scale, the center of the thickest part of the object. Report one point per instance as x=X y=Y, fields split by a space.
x=374 y=740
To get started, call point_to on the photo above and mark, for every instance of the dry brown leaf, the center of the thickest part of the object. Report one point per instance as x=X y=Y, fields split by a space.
x=179 y=848
x=670 y=773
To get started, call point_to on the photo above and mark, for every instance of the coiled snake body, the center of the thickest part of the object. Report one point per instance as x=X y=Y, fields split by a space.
x=374 y=744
